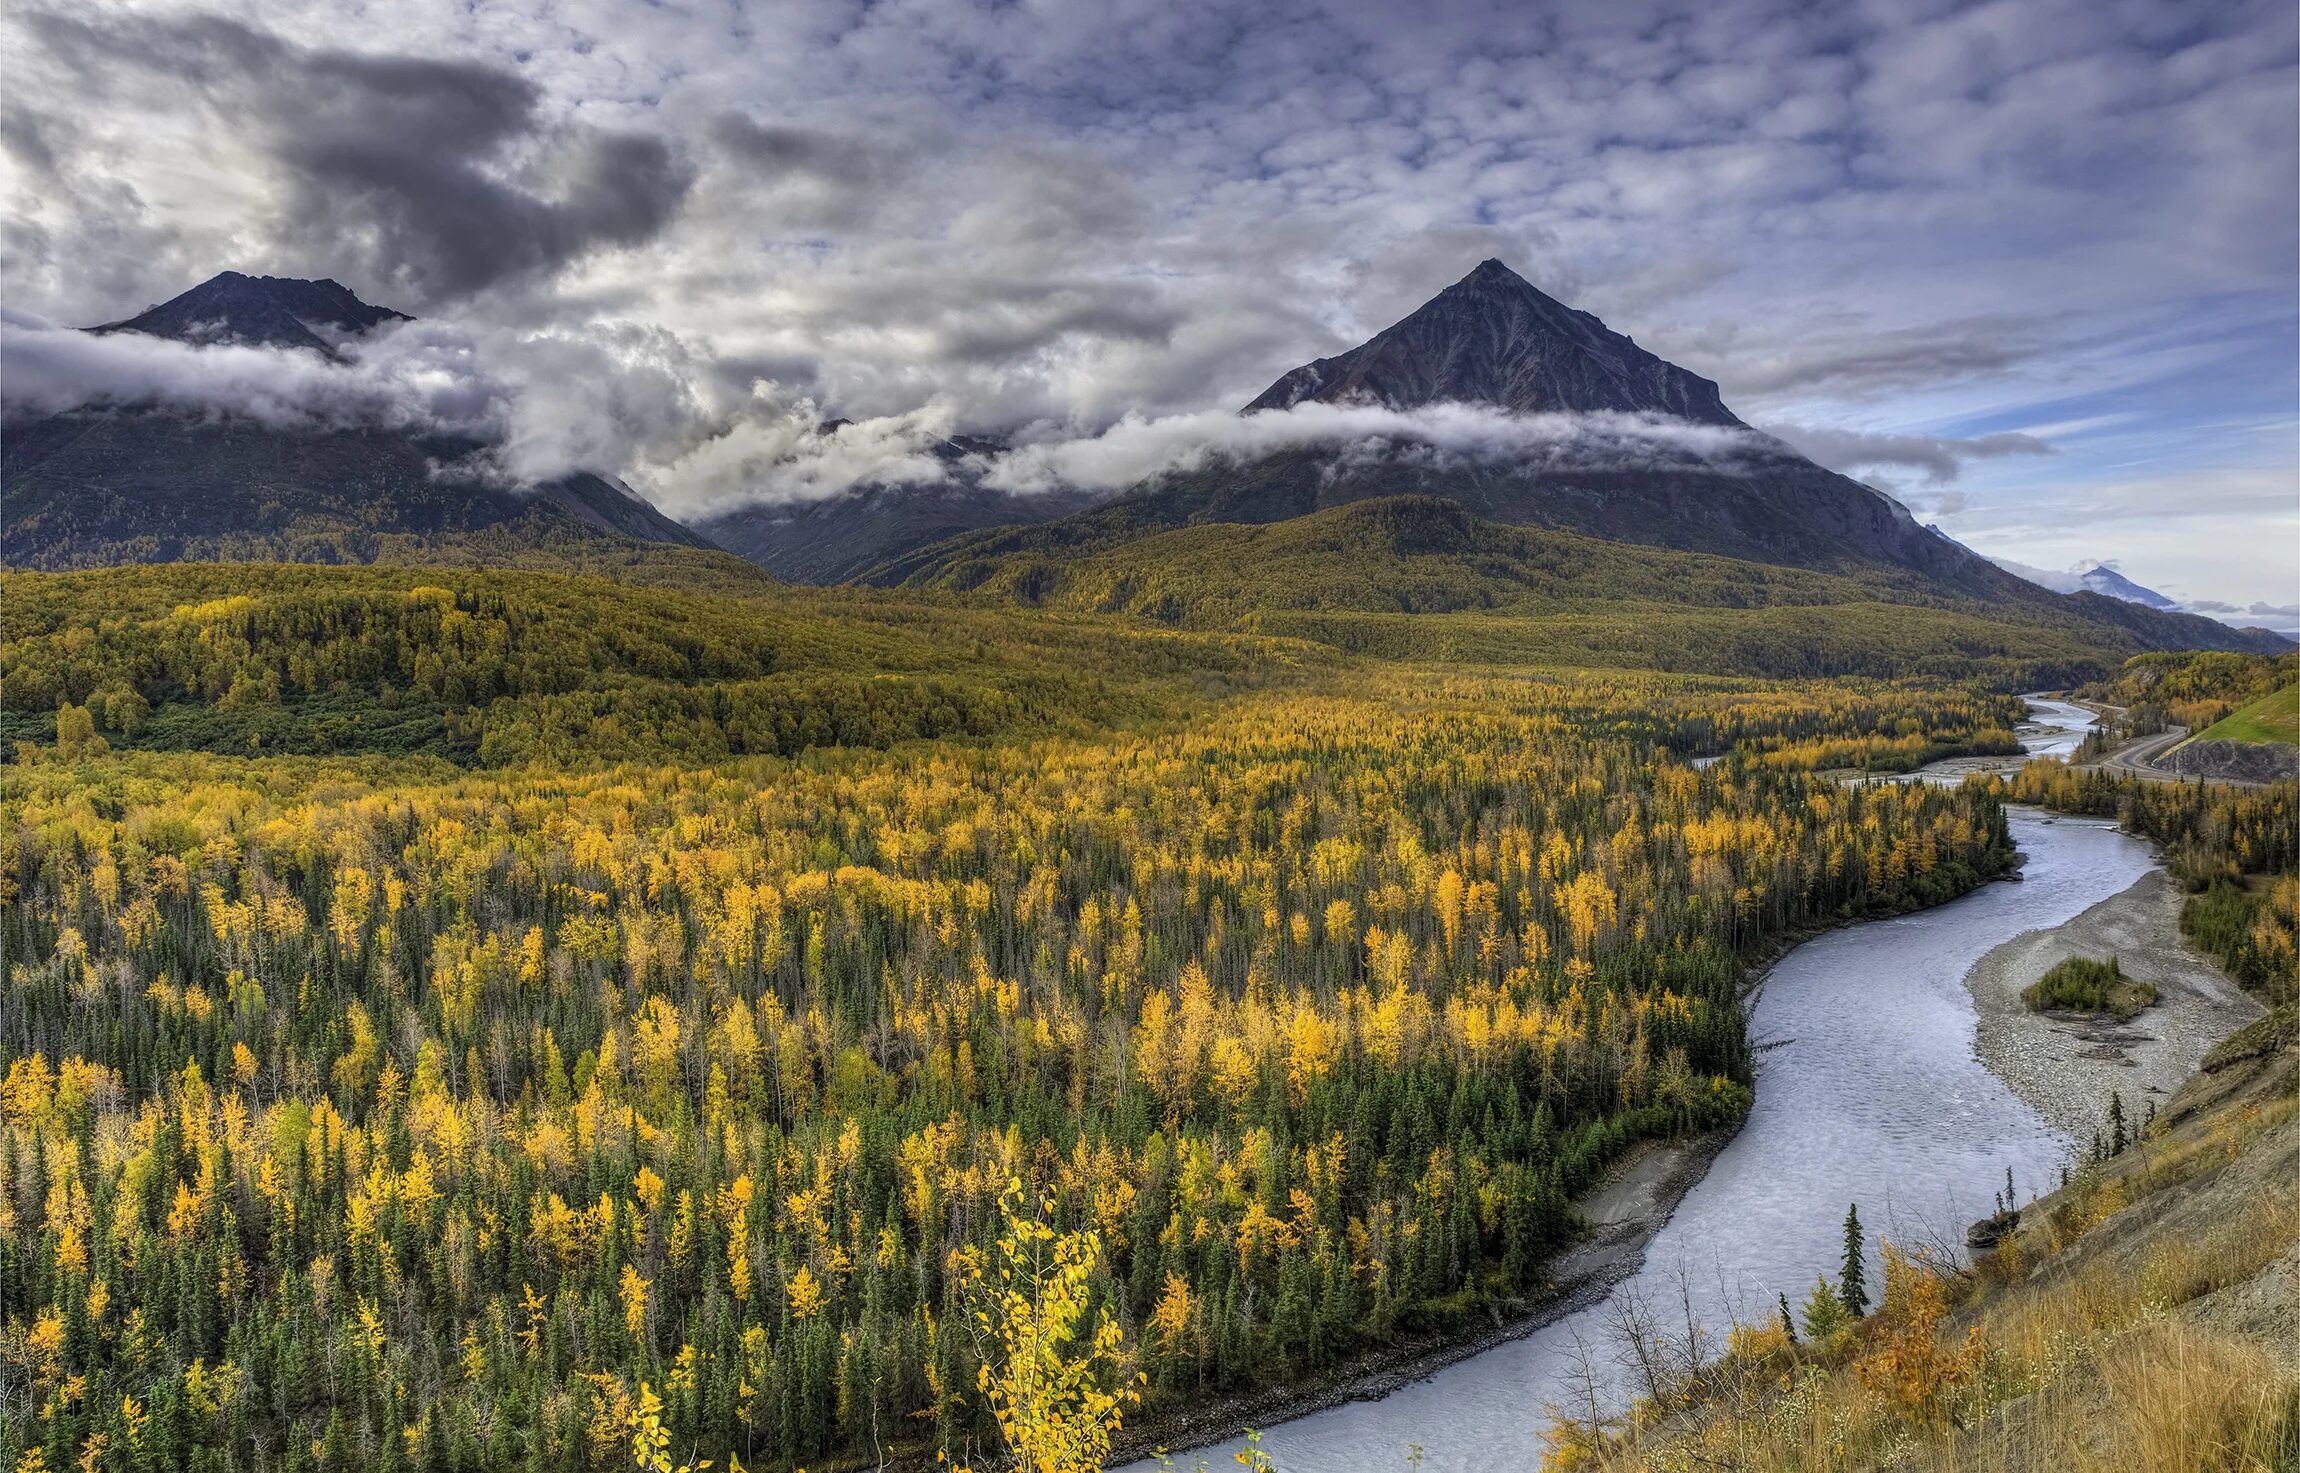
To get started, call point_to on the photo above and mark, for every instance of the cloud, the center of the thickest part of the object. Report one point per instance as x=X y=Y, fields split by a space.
x=1137 y=448
x=622 y=398
x=2257 y=609
x=421 y=377
x=1860 y=362
x=432 y=178
x=784 y=456
x=1939 y=458
x=1966 y=214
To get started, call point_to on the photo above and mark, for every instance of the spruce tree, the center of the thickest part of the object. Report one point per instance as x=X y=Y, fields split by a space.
x=1788 y=1325
x=1852 y=1284
x=2117 y=1140
x=1824 y=1312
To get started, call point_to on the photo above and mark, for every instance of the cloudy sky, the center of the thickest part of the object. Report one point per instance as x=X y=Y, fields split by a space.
x=2032 y=266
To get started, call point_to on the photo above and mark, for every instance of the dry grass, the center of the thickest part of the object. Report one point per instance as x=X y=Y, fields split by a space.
x=2088 y=1346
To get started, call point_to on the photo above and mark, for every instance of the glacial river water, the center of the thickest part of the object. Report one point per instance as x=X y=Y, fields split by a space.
x=1867 y=1091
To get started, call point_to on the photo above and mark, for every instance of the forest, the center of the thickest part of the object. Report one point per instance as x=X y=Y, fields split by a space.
x=561 y=1035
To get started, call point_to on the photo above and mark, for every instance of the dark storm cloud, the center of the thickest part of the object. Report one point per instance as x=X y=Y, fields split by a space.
x=431 y=178
x=25 y=136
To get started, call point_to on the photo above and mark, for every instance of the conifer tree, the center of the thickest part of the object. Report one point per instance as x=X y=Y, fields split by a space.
x=1852 y=1284
x=1824 y=1311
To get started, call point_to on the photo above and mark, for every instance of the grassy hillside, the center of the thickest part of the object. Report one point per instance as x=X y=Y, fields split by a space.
x=2274 y=717
x=2141 y=1318
x=1422 y=578
x=1406 y=554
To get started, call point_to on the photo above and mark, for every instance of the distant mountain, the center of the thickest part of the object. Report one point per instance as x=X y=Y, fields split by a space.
x=123 y=484
x=1492 y=339
x=2109 y=583
x=843 y=537
x=2090 y=576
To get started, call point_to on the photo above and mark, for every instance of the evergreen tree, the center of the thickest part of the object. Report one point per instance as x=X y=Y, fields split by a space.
x=2117 y=1139
x=1824 y=1311
x=1852 y=1284
x=1788 y=1325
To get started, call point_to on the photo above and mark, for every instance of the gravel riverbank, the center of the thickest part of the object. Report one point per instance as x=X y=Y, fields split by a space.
x=2066 y=1066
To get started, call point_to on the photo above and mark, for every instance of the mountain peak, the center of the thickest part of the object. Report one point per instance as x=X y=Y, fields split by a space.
x=261 y=311
x=1495 y=338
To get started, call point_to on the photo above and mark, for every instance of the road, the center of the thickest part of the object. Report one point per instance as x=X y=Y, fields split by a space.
x=2138 y=758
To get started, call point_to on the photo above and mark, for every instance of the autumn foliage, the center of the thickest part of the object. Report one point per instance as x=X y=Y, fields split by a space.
x=377 y=1110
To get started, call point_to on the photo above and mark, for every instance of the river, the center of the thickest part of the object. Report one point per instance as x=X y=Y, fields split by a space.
x=1868 y=1091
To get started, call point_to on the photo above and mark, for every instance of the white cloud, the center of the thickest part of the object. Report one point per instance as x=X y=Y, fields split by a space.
x=1137 y=447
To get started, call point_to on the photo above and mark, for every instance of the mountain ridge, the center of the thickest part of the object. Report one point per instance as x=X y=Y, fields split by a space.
x=133 y=484
x=260 y=311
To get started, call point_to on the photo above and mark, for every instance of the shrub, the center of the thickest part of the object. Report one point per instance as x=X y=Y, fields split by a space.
x=2080 y=985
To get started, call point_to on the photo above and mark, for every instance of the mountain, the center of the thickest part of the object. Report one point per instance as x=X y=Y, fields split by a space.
x=1665 y=465
x=1494 y=338
x=98 y=486
x=842 y=537
x=2102 y=579
x=260 y=311
x=2090 y=576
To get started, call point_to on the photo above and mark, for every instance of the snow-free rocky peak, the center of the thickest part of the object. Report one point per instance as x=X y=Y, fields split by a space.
x=1495 y=338
x=261 y=312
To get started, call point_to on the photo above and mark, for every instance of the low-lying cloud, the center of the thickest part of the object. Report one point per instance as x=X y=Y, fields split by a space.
x=701 y=437
x=1939 y=459
x=614 y=397
x=2260 y=609
x=1136 y=448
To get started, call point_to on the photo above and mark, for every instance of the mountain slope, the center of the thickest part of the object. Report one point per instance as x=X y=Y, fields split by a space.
x=1492 y=339
x=122 y=485
x=1420 y=578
